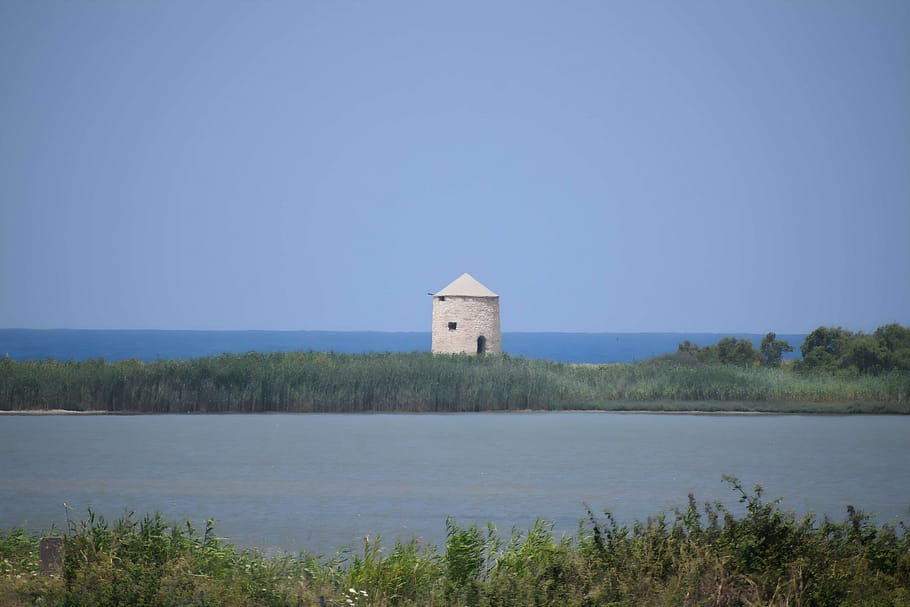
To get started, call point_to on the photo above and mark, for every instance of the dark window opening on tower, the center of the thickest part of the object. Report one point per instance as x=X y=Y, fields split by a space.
x=452 y=326
x=442 y=298
x=481 y=344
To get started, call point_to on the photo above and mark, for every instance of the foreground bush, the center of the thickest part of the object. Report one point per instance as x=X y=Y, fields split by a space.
x=694 y=556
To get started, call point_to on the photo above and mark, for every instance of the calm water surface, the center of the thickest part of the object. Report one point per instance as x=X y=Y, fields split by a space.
x=322 y=482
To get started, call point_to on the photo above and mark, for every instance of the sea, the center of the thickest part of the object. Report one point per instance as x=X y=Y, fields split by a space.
x=149 y=345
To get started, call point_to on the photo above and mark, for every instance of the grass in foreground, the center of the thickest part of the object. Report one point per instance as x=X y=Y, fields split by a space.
x=422 y=382
x=694 y=556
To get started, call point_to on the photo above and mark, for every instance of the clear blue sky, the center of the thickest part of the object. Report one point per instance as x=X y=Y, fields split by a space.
x=604 y=166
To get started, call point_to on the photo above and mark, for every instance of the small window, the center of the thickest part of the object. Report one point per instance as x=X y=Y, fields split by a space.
x=452 y=326
x=442 y=298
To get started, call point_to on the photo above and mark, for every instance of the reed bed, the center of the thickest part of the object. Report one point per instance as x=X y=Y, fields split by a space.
x=696 y=555
x=422 y=382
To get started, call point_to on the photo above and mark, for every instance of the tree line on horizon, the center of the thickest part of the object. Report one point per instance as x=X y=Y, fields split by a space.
x=826 y=349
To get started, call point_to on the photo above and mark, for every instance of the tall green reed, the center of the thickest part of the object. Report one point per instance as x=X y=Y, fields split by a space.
x=330 y=382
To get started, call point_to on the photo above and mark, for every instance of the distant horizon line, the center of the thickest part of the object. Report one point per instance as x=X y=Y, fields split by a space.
x=555 y=332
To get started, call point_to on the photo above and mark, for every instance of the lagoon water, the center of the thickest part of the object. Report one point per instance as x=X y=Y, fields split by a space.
x=322 y=482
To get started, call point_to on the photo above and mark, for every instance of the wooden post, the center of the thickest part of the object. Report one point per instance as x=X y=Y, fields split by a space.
x=51 y=552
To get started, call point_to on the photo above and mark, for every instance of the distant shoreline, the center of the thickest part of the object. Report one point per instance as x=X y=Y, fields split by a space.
x=731 y=412
x=65 y=412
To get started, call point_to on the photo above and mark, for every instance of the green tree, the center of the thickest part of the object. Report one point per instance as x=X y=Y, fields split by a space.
x=824 y=349
x=895 y=341
x=708 y=355
x=865 y=355
x=732 y=351
x=772 y=350
x=688 y=347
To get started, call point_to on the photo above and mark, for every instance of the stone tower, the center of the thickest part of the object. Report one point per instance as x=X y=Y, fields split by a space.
x=466 y=318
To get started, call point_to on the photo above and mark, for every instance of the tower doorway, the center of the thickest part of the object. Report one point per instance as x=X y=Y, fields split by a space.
x=481 y=344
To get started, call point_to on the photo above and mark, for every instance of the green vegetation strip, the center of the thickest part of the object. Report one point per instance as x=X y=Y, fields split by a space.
x=422 y=382
x=695 y=556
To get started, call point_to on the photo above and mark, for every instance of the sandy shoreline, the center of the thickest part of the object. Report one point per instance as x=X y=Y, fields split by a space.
x=35 y=412
x=66 y=412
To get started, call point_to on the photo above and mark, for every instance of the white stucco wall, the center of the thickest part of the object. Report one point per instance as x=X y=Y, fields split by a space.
x=474 y=316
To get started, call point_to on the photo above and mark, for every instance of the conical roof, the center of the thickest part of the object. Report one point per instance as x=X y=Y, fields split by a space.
x=466 y=286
